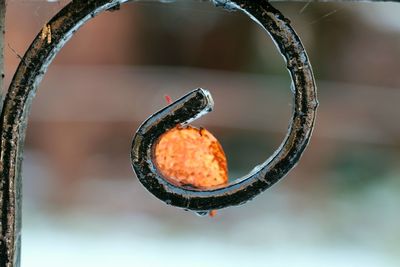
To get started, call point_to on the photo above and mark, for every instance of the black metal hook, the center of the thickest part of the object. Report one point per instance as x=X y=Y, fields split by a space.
x=199 y=102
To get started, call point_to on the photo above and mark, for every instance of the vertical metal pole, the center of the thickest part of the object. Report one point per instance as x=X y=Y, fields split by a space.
x=2 y=32
x=9 y=220
x=3 y=212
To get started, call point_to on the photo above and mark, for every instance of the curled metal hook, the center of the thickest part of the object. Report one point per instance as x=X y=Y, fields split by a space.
x=39 y=56
x=199 y=102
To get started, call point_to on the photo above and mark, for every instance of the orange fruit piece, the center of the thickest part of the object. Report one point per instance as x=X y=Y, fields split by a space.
x=187 y=156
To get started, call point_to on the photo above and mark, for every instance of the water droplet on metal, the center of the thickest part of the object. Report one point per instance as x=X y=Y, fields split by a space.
x=202 y=213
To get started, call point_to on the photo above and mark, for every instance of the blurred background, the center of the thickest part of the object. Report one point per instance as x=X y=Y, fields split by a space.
x=83 y=205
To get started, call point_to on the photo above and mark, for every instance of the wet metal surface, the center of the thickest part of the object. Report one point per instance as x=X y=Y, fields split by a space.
x=16 y=108
x=199 y=102
x=43 y=50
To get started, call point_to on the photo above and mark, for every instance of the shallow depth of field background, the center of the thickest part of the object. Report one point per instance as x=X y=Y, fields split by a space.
x=83 y=205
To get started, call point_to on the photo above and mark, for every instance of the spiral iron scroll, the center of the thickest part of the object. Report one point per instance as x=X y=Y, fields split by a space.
x=199 y=102
x=40 y=54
